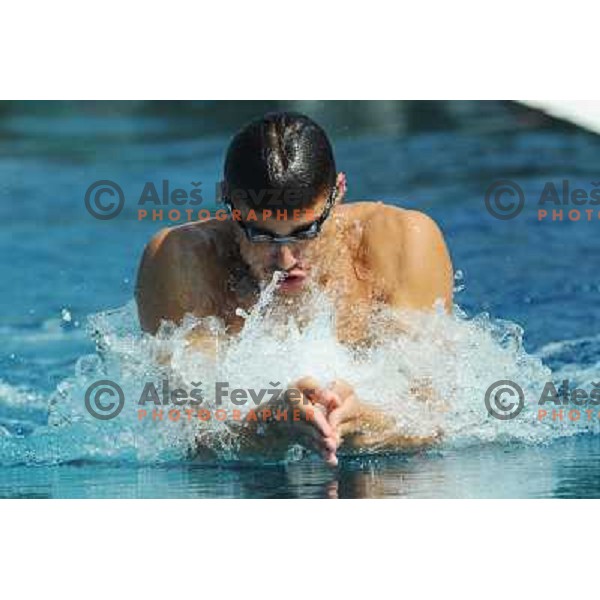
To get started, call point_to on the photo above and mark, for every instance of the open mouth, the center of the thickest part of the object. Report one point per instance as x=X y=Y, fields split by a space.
x=293 y=279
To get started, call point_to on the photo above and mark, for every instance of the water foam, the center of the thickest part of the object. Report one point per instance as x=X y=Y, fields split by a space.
x=455 y=356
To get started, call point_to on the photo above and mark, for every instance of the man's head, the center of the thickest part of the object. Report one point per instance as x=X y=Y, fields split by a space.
x=281 y=184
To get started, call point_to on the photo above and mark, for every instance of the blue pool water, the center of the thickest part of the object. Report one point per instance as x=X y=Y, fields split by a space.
x=528 y=292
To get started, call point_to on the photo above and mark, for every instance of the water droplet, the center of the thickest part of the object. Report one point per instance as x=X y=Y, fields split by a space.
x=240 y=312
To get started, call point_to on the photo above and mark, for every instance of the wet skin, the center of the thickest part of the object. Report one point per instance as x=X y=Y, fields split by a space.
x=367 y=254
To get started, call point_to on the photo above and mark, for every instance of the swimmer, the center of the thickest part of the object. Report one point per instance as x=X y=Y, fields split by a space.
x=362 y=254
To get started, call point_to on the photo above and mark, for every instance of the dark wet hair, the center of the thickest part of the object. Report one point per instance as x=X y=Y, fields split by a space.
x=281 y=160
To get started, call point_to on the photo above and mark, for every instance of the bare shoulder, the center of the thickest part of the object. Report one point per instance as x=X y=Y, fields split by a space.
x=419 y=229
x=407 y=248
x=177 y=266
x=389 y=226
x=203 y=235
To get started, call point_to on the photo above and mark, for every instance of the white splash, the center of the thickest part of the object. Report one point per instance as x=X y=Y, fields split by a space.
x=457 y=358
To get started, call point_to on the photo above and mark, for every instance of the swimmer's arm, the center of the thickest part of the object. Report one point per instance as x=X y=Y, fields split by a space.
x=171 y=281
x=278 y=424
x=408 y=247
x=427 y=274
x=426 y=267
x=249 y=438
x=376 y=430
x=161 y=291
x=157 y=285
x=360 y=426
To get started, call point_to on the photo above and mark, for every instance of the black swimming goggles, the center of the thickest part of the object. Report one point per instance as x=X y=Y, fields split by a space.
x=310 y=231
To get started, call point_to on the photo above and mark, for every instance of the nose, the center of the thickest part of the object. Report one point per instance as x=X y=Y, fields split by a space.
x=284 y=257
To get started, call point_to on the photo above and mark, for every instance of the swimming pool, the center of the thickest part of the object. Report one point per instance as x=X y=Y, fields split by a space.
x=537 y=281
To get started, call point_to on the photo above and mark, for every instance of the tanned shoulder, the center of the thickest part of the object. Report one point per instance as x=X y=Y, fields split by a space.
x=173 y=273
x=409 y=249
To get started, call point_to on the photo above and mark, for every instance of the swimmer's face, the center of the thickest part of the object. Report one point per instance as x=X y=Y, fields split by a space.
x=294 y=257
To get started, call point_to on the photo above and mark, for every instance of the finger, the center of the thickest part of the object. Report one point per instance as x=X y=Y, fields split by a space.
x=313 y=415
x=326 y=447
x=319 y=421
x=308 y=386
x=330 y=400
x=325 y=400
x=322 y=435
x=331 y=459
x=309 y=438
x=315 y=437
x=329 y=443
